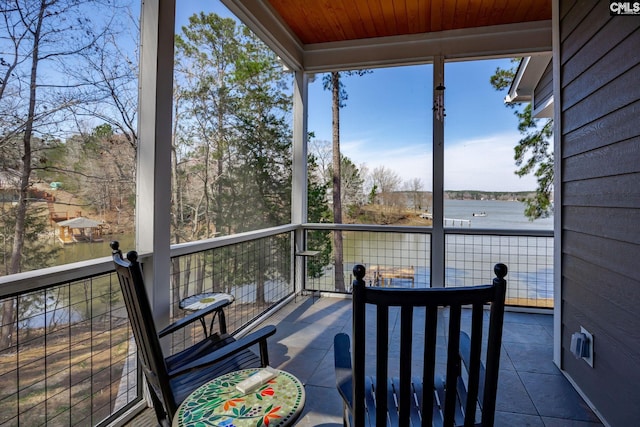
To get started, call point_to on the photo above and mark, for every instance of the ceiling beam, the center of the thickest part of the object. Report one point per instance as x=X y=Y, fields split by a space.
x=454 y=45
x=508 y=40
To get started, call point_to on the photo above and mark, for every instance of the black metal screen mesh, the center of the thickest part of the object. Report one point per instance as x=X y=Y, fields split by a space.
x=67 y=356
x=470 y=260
x=256 y=273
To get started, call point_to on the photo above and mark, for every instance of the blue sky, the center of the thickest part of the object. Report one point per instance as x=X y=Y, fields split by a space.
x=387 y=121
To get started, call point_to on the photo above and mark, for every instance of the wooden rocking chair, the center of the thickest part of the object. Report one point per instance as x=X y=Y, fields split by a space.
x=171 y=379
x=423 y=394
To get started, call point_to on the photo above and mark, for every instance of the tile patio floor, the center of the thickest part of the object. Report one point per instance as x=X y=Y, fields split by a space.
x=531 y=392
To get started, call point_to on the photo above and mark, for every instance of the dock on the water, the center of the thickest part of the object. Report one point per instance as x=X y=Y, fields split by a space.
x=383 y=275
x=452 y=222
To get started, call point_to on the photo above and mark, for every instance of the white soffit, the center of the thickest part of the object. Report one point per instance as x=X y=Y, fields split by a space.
x=527 y=77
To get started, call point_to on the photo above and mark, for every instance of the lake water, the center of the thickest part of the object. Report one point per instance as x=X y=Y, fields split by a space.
x=91 y=250
x=499 y=214
x=469 y=259
x=529 y=258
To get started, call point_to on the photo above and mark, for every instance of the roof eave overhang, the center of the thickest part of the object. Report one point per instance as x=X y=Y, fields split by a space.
x=527 y=76
x=260 y=17
x=520 y=39
x=454 y=45
x=545 y=110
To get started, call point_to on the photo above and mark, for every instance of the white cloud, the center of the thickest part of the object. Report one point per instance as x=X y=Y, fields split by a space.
x=475 y=164
x=485 y=164
x=408 y=162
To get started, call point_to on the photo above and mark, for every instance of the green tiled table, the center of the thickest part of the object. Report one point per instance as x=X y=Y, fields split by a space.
x=278 y=402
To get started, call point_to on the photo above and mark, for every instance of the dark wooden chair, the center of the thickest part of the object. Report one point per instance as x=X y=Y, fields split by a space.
x=171 y=379
x=420 y=389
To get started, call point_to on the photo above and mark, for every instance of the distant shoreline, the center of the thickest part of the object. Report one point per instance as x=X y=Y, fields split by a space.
x=489 y=195
x=420 y=199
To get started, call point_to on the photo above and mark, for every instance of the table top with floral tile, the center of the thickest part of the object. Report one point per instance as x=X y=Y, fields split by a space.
x=204 y=300
x=278 y=402
x=197 y=302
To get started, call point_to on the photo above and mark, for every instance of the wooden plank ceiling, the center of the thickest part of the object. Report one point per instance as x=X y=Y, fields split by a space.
x=321 y=21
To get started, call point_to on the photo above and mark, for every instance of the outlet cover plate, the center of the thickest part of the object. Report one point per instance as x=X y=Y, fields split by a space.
x=589 y=358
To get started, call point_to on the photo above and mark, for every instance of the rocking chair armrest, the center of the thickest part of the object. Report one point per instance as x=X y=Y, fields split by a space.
x=258 y=337
x=196 y=315
x=342 y=361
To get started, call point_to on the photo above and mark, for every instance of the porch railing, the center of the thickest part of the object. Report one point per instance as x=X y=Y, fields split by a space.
x=255 y=268
x=401 y=256
x=68 y=357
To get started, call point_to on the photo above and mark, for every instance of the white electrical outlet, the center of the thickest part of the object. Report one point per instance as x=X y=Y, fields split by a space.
x=589 y=357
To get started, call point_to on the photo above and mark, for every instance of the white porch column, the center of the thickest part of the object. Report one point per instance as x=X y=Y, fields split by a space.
x=299 y=179
x=557 y=187
x=437 y=237
x=299 y=184
x=153 y=196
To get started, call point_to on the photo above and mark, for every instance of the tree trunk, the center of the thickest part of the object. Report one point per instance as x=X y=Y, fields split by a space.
x=187 y=279
x=218 y=219
x=337 y=200
x=176 y=285
x=261 y=276
x=8 y=309
x=200 y=266
x=177 y=211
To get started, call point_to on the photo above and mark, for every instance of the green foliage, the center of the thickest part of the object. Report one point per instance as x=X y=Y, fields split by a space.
x=372 y=194
x=534 y=152
x=51 y=160
x=351 y=182
x=234 y=129
x=487 y=195
x=351 y=176
x=37 y=252
x=318 y=211
x=104 y=130
x=232 y=146
x=327 y=83
x=502 y=78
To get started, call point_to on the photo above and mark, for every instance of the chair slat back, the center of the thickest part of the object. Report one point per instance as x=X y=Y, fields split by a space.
x=141 y=318
x=456 y=405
